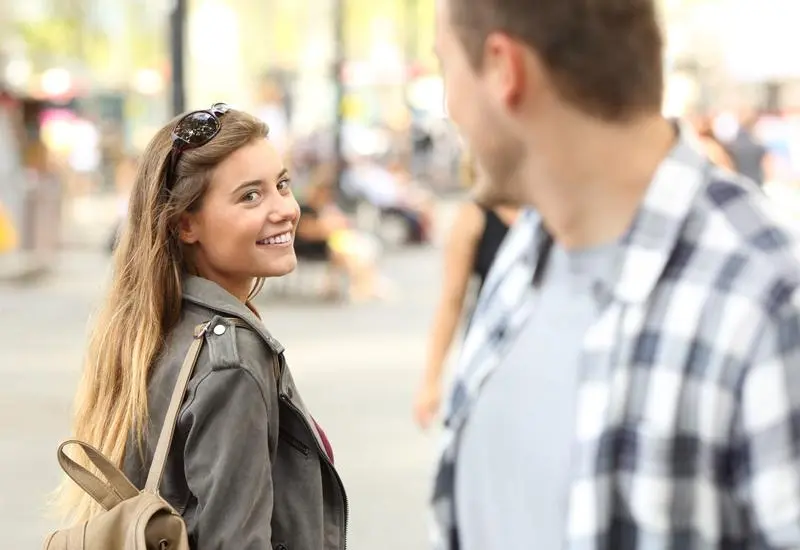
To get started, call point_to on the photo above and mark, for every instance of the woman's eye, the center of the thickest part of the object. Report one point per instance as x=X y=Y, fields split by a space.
x=284 y=185
x=252 y=196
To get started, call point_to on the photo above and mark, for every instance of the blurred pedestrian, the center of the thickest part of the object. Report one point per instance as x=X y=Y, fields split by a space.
x=212 y=215
x=711 y=145
x=472 y=245
x=630 y=378
x=326 y=233
x=748 y=154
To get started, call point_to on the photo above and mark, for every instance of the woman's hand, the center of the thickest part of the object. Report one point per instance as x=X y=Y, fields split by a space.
x=427 y=402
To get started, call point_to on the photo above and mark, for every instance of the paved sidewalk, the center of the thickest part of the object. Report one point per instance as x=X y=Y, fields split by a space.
x=22 y=267
x=357 y=367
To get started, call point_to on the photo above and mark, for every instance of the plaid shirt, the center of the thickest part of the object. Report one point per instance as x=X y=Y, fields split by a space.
x=688 y=420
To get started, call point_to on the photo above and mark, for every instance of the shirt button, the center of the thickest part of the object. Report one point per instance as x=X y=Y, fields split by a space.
x=219 y=330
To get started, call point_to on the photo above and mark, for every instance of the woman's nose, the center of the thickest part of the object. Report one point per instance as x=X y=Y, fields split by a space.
x=284 y=209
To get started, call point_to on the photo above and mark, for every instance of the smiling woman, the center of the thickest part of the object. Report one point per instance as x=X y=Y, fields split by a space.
x=211 y=215
x=248 y=202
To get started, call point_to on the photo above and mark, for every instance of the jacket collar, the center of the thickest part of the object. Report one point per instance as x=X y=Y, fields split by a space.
x=212 y=296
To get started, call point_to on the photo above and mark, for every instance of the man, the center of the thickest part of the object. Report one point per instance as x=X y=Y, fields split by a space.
x=631 y=376
x=749 y=155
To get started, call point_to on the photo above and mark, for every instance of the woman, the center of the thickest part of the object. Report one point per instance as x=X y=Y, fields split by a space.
x=326 y=233
x=471 y=248
x=212 y=215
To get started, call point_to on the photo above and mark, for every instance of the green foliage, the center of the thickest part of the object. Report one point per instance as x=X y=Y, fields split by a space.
x=63 y=37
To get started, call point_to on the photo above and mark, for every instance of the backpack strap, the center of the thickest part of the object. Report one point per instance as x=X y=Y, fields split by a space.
x=178 y=393
x=168 y=430
x=117 y=488
x=109 y=494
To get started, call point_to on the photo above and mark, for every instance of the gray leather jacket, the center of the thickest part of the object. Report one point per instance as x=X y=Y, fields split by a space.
x=248 y=469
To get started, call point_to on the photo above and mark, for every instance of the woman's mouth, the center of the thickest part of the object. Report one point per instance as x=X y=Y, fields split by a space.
x=284 y=239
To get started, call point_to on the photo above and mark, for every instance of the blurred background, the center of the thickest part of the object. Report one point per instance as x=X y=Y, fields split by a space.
x=353 y=96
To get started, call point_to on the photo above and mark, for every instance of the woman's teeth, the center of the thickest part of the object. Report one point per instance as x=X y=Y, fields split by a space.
x=277 y=239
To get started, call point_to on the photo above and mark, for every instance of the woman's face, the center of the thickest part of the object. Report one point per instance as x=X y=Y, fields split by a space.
x=245 y=226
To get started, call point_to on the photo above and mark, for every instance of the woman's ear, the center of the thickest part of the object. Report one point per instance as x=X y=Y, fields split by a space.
x=188 y=229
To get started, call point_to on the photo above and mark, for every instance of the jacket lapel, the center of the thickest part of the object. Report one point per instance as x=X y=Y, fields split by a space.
x=209 y=294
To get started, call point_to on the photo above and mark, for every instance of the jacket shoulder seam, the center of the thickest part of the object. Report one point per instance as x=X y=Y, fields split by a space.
x=241 y=367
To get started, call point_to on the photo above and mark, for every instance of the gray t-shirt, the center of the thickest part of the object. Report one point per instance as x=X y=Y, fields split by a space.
x=748 y=155
x=513 y=465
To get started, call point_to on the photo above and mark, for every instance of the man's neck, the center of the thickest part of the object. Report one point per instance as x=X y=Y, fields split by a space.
x=593 y=177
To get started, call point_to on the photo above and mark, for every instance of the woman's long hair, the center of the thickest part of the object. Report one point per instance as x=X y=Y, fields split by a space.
x=144 y=300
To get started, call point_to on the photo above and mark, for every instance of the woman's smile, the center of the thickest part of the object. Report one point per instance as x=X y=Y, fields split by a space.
x=281 y=240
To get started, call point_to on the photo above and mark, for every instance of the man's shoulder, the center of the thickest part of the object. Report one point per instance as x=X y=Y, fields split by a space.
x=739 y=243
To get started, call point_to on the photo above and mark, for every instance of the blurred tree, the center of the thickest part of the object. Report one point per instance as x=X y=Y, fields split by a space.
x=60 y=35
x=147 y=41
x=414 y=24
x=68 y=33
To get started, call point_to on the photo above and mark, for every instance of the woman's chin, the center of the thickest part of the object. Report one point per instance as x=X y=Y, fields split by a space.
x=279 y=268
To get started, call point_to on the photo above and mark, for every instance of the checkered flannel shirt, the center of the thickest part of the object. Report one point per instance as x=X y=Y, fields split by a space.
x=688 y=420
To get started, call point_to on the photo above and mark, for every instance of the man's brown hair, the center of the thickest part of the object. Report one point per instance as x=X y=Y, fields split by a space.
x=604 y=56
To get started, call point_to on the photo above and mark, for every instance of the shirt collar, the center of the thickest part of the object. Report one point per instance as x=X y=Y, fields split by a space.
x=648 y=243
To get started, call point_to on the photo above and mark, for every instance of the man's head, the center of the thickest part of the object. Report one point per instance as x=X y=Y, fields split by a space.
x=510 y=64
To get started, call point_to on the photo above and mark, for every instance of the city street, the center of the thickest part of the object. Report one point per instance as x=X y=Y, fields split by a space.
x=355 y=103
x=356 y=366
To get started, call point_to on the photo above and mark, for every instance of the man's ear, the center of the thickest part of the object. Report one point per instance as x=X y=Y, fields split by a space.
x=188 y=229
x=504 y=64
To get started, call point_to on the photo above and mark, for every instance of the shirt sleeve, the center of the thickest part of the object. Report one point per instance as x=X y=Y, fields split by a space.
x=227 y=462
x=767 y=434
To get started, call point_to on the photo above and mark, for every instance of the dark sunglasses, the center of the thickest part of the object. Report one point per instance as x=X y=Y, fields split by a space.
x=193 y=131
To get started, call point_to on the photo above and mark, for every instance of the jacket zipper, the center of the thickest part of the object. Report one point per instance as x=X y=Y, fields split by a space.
x=323 y=453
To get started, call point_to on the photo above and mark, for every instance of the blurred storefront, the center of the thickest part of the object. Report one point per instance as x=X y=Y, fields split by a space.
x=32 y=191
x=239 y=45
x=99 y=67
x=735 y=53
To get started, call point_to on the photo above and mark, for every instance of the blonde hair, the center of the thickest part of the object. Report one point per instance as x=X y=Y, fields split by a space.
x=144 y=300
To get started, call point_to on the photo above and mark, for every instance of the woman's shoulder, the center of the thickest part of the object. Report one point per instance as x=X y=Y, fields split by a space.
x=228 y=343
x=469 y=220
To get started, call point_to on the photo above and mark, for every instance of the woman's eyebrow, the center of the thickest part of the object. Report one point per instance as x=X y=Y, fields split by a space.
x=282 y=175
x=242 y=186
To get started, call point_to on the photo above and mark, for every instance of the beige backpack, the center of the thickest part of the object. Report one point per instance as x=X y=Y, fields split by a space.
x=133 y=519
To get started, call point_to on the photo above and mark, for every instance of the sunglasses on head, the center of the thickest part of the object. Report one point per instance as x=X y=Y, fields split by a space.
x=193 y=131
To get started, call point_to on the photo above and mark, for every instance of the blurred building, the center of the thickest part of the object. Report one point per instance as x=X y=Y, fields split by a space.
x=102 y=62
x=729 y=54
